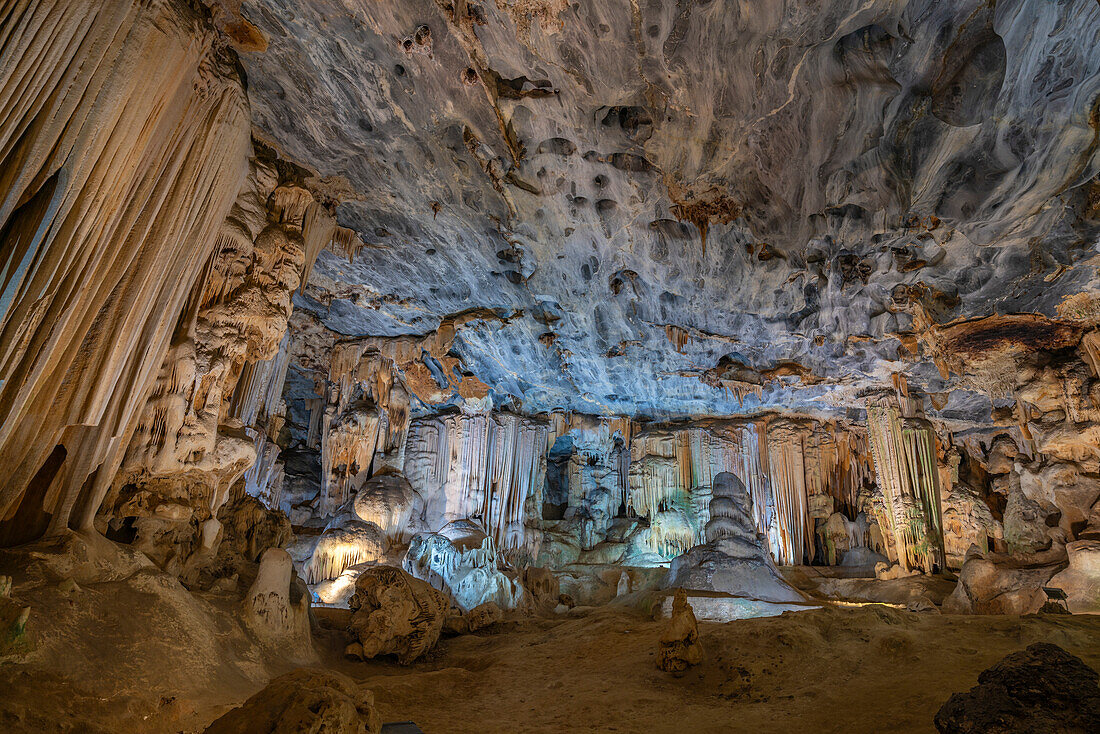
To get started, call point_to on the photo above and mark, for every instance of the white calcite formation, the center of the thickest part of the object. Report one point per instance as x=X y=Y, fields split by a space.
x=905 y=452
x=389 y=501
x=490 y=467
x=790 y=470
x=462 y=561
x=346 y=541
x=733 y=560
x=364 y=421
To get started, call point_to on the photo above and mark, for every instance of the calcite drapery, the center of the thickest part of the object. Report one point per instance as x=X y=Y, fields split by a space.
x=905 y=462
x=485 y=466
x=192 y=443
x=367 y=414
x=123 y=142
x=784 y=465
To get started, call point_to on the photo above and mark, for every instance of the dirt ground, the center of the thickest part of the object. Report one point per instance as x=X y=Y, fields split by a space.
x=863 y=669
x=128 y=649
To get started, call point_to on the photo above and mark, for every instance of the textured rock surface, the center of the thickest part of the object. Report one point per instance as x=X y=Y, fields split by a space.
x=1040 y=689
x=304 y=700
x=859 y=171
x=394 y=614
x=1002 y=585
x=100 y=247
x=462 y=561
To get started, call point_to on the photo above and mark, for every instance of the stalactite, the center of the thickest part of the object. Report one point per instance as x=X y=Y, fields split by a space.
x=346 y=242
x=479 y=465
x=367 y=414
x=791 y=533
x=783 y=464
x=905 y=463
x=677 y=336
x=317 y=229
x=264 y=479
x=123 y=140
x=258 y=396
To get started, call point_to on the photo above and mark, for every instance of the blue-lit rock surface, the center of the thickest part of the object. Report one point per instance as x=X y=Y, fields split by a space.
x=859 y=170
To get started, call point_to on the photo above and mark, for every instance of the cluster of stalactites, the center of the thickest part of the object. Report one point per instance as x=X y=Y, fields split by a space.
x=346 y=242
x=601 y=447
x=228 y=361
x=364 y=421
x=671 y=474
x=905 y=458
x=782 y=463
x=124 y=138
x=483 y=466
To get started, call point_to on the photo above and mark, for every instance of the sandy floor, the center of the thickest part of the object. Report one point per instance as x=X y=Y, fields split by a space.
x=870 y=669
x=141 y=654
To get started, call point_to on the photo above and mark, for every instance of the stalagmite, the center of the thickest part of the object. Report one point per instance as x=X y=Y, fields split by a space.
x=462 y=561
x=345 y=542
x=784 y=465
x=679 y=647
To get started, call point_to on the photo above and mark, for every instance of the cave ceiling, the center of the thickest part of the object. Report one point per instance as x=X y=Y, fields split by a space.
x=657 y=202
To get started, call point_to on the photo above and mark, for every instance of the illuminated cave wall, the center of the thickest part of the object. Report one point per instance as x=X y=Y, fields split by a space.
x=116 y=184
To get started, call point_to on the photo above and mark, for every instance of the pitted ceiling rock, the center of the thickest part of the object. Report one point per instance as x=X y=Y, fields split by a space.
x=847 y=163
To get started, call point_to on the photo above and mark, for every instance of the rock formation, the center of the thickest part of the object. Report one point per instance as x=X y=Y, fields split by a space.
x=346 y=541
x=1081 y=580
x=679 y=647
x=1001 y=584
x=733 y=560
x=1040 y=689
x=101 y=248
x=306 y=699
x=394 y=614
x=277 y=605
x=526 y=307
x=462 y=561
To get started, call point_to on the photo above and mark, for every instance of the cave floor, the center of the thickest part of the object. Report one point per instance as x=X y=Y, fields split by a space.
x=861 y=669
x=141 y=654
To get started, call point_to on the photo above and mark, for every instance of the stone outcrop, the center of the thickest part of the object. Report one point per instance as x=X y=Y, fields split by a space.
x=306 y=699
x=277 y=606
x=679 y=647
x=1040 y=689
x=998 y=584
x=394 y=614
x=1081 y=581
